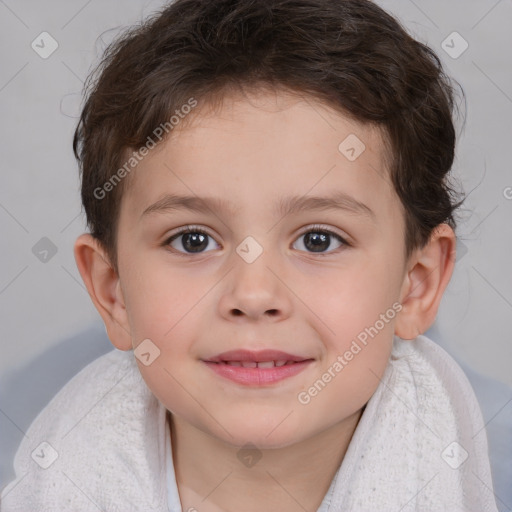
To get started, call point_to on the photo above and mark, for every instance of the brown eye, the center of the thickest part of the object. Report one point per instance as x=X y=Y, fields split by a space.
x=318 y=240
x=190 y=241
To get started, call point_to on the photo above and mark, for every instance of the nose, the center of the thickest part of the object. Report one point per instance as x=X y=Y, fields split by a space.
x=255 y=291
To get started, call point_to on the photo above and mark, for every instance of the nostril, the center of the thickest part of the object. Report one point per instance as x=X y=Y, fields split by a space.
x=270 y=312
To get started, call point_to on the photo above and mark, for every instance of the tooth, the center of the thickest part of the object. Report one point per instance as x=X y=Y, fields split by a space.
x=234 y=363
x=266 y=364
x=249 y=364
x=280 y=363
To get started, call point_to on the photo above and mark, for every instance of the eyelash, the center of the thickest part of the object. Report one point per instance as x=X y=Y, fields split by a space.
x=317 y=228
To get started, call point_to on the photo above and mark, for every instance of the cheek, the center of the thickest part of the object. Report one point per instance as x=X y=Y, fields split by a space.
x=164 y=307
x=354 y=361
x=358 y=308
x=168 y=385
x=160 y=303
x=363 y=315
x=350 y=299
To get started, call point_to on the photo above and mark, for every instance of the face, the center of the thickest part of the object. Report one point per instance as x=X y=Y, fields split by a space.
x=263 y=266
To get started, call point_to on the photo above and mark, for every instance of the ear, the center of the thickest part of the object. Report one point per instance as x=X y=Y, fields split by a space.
x=429 y=271
x=104 y=289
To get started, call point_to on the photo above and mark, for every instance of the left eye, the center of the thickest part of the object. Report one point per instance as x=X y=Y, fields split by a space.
x=317 y=240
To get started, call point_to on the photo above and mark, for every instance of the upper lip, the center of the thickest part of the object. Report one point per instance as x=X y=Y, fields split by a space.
x=257 y=356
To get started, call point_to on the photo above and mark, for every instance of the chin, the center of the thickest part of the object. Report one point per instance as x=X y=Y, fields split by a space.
x=261 y=433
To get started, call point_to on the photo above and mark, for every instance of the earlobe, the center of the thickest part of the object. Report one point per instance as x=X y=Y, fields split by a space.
x=430 y=270
x=104 y=288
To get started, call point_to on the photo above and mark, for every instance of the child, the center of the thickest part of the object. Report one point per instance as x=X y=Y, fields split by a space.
x=272 y=231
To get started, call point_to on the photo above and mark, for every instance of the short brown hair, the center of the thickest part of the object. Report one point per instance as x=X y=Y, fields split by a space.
x=350 y=54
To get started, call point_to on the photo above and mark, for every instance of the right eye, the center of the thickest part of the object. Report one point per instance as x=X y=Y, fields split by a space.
x=192 y=240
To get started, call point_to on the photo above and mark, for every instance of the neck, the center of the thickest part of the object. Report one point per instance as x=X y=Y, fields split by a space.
x=211 y=477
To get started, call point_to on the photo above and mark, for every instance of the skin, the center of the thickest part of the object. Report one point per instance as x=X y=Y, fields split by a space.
x=193 y=306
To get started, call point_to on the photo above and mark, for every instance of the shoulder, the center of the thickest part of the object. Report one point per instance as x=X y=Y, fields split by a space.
x=445 y=404
x=423 y=357
x=424 y=417
x=101 y=431
x=103 y=375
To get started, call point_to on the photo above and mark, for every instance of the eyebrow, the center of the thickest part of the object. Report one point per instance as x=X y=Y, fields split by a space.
x=286 y=206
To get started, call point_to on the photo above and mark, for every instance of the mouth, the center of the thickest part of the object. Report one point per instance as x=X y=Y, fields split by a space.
x=260 y=368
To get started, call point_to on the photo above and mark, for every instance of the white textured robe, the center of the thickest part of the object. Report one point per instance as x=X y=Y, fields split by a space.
x=103 y=443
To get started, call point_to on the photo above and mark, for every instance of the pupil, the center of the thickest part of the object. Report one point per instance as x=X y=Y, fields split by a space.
x=318 y=241
x=198 y=241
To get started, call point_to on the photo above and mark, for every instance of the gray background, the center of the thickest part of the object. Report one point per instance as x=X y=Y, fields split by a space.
x=49 y=328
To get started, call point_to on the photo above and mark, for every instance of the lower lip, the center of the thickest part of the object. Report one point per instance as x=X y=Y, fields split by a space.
x=257 y=376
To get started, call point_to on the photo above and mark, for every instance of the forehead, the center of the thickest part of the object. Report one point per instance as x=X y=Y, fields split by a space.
x=252 y=151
